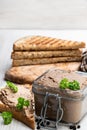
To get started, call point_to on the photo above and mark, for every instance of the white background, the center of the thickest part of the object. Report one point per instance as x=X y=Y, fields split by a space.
x=43 y=14
x=7 y=37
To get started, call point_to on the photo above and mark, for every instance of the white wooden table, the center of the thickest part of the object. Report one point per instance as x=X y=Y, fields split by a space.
x=43 y=14
x=7 y=37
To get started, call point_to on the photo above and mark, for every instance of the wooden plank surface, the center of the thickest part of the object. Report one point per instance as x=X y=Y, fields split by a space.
x=7 y=37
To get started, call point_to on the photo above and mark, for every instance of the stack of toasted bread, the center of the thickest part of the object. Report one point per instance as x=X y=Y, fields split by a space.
x=34 y=55
x=45 y=50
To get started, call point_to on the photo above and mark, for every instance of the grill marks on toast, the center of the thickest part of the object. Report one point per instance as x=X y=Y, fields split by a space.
x=46 y=43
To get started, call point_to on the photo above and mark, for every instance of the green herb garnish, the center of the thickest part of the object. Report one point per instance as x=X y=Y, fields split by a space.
x=21 y=103
x=26 y=103
x=74 y=85
x=12 y=86
x=7 y=117
x=64 y=83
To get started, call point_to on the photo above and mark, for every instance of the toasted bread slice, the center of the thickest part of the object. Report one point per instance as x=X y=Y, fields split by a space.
x=8 y=101
x=45 y=43
x=44 y=54
x=39 y=61
x=27 y=74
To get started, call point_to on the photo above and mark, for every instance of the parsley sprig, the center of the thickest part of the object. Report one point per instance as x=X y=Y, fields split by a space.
x=74 y=85
x=64 y=83
x=21 y=103
x=12 y=86
x=7 y=117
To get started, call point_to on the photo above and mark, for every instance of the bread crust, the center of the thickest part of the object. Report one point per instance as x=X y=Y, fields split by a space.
x=38 y=61
x=44 y=54
x=18 y=115
x=39 y=43
x=27 y=74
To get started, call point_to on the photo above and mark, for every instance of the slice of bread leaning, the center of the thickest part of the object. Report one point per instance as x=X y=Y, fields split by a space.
x=8 y=102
